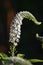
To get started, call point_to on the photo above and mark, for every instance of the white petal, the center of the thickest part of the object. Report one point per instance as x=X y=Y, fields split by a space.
x=11 y=34
x=15 y=44
x=17 y=40
x=18 y=36
x=19 y=19
x=19 y=30
x=16 y=28
x=15 y=31
x=19 y=26
x=19 y=33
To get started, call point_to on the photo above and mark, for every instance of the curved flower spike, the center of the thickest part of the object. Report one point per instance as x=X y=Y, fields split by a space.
x=28 y=15
x=15 y=29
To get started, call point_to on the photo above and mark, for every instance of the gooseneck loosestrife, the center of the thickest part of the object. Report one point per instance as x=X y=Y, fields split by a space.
x=15 y=28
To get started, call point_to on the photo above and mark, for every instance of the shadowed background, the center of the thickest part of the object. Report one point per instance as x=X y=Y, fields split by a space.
x=28 y=44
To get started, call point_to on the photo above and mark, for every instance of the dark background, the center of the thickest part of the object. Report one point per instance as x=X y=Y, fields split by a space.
x=28 y=44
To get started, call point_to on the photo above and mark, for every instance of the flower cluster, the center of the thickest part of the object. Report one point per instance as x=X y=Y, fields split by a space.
x=15 y=29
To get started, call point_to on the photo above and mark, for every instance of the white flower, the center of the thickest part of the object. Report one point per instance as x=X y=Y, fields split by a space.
x=19 y=33
x=15 y=44
x=18 y=36
x=17 y=40
x=19 y=18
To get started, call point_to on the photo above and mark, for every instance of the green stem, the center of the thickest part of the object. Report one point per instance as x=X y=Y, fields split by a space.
x=13 y=50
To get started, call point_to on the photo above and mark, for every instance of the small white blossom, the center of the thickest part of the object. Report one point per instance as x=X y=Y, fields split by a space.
x=17 y=40
x=19 y=33
x=15 y=44
x=19 y=18
x=18 y=36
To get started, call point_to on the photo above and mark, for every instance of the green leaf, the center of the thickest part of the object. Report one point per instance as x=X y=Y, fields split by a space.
x=20 y=55
x=35 y=60
x=3 y=57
